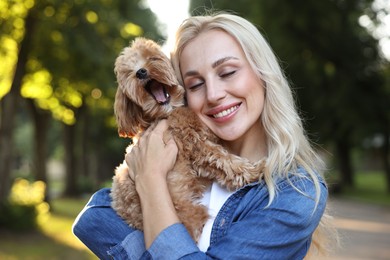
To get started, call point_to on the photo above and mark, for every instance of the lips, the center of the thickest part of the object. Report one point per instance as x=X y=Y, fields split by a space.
x=158 y=91
x=225 y=112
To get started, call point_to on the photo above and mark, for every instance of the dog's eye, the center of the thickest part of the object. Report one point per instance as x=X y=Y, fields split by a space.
x=153 y=58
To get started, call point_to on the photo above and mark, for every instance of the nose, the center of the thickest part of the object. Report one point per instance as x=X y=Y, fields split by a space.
x=215 y=91
x=141 y=73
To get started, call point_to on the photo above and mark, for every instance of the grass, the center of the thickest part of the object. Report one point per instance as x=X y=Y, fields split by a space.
x=369 y=187
x=53 y=241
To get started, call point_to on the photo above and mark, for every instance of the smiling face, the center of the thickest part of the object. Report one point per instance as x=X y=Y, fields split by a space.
x=222 y=89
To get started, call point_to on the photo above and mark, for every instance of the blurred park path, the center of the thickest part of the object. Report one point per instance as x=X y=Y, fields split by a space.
x=364 y=230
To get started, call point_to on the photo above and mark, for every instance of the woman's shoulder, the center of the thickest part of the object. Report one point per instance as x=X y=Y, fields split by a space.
x=300 y=177
x=297 y=187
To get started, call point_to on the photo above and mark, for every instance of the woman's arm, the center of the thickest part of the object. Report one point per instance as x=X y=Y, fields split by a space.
x=150 y=161
x=104 y=232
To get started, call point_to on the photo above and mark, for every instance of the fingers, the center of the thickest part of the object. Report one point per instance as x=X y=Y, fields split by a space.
x=155 y=131
x=158 y=128
x=161 y=126
x=130 y=173
x=157 y=148
x=172 y=149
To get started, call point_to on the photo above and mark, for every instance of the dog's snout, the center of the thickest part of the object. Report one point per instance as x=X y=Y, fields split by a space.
x=142 y=73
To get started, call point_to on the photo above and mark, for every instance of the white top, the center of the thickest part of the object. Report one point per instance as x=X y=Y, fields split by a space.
x=213 y=199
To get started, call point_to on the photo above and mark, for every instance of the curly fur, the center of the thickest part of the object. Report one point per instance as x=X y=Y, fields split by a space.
x=201 y=159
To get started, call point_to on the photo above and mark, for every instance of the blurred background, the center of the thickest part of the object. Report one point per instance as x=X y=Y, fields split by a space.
x=58 y=136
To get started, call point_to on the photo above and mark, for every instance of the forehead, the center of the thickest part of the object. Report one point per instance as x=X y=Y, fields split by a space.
x=208 y=47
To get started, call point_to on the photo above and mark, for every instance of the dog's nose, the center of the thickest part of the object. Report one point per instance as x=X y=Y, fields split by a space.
x=142 y=73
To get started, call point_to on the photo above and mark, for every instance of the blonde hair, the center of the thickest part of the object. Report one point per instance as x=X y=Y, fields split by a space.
x=287 y=143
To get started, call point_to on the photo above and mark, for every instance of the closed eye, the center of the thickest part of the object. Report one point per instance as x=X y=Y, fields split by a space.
x=228 y=74
x=154 y=58
x=196 y=86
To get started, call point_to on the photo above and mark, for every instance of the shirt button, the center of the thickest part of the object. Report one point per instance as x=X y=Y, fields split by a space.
x=222 y=222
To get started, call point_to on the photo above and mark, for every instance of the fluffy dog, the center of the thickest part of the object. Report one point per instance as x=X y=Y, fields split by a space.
x=148 y=91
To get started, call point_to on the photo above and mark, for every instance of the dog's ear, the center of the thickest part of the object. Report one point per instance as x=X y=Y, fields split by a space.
x=128 y=115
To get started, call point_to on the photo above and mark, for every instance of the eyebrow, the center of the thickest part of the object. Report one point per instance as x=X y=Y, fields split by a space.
x=213 y=65
x=222 y=60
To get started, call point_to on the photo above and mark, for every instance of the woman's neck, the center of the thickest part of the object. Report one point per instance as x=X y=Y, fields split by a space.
x=252 y=145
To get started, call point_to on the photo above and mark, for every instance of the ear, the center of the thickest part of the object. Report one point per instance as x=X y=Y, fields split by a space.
x=128 y=115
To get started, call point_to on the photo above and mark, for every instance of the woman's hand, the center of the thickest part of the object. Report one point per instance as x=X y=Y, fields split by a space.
x=149 y=162
x=152 y=157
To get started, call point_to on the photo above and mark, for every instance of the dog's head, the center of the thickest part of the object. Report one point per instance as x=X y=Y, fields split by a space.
x=147 y=87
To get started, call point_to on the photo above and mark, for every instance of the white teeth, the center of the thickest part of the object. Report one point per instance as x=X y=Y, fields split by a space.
x=225 y=112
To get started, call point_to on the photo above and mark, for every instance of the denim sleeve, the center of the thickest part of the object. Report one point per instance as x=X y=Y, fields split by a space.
x=109 y=237
x=173 y=242
x=105 y=233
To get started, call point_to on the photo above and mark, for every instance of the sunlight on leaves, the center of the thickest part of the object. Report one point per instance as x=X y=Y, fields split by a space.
x=49 y=11
x=13 y=14
x=37 y=85
x=31 y=194
x=18 y=9
x=58 y=111
x=66 y=115
x=4 y=6
x=8 y=57
x=18 y=23
x=25 y=193
x=69 y=95
x=51 y=103
x=131 y=29
x=62 y=13
x=91 y=17
x=28 y=3
x=56 y=36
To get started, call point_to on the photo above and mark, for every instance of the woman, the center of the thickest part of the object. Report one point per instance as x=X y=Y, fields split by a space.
x=235 y=85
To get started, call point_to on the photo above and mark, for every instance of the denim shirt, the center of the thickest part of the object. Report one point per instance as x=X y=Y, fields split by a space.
x=246 y=227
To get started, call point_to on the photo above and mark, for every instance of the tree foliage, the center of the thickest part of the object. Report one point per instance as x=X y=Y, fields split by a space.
x=66 y=74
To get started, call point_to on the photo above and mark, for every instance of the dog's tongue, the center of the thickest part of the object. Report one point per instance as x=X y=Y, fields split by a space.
x=158 y=91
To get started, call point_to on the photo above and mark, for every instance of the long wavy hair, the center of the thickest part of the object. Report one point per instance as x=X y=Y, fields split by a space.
x=287 y=142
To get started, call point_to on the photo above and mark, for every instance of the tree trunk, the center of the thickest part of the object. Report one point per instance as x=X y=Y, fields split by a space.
x=344 y=159
x=386 y=156
x=41 y=121
x=8 y=107
x=8 y=110
x=70 y=161
x=84 y=125
x=85 y=154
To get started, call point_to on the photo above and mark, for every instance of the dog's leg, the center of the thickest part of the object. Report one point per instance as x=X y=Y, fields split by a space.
x=125 y=199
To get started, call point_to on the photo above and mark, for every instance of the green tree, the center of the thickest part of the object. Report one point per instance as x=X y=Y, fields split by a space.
x=12 y=33
x=64 y=71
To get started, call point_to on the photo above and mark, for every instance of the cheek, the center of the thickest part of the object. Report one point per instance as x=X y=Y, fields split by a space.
x=193 y=102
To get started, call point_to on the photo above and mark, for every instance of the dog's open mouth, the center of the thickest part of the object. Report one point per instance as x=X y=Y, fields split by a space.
x=158 y=91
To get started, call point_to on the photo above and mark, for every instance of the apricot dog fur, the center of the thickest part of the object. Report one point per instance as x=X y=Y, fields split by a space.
x=148 y=91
